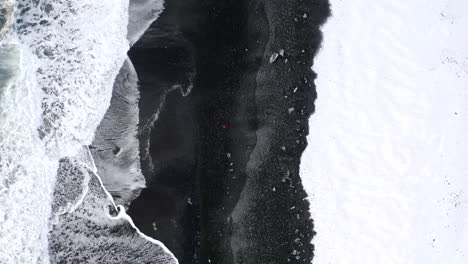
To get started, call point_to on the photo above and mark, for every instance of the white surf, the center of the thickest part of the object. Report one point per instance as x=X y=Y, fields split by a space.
x=64 y=66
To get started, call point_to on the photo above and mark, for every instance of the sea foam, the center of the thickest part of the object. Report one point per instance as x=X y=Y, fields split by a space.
x=57 y=72
x=115 y=147
x=85 y=216
x=59 y=66
x=98 y=229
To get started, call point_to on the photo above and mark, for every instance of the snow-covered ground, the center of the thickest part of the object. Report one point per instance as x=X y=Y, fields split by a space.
x=386 y=167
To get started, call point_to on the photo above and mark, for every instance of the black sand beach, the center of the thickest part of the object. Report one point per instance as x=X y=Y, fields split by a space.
x=223 y=165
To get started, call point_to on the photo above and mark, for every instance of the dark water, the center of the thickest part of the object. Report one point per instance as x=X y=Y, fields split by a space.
x=223 y=170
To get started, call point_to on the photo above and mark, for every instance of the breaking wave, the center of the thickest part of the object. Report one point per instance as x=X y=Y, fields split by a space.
x=115 y=148
x=58 y=63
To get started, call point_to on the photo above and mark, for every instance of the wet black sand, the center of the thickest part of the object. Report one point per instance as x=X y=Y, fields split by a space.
x=225 y=184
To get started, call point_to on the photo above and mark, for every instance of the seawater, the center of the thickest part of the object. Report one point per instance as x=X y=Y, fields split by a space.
x=58 y=62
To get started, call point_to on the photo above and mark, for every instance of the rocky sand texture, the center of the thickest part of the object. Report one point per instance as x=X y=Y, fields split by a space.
x=222 y=162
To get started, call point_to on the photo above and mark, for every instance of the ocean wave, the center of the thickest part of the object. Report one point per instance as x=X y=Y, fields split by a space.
x=6 y=16
x=57 y=72
x=58 y=68
x=101 y=231
x=72 y=184
x=142 y=14
x=115 y=147
x=26 y=172
x=77 y=63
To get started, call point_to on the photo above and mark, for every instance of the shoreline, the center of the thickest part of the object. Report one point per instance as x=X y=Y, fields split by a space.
x=238 y=112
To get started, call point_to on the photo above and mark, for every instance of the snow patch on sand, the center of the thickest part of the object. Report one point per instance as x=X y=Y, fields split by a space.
x=386 y=168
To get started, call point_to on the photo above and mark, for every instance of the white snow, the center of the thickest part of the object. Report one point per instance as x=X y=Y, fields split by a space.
x=386 y=168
